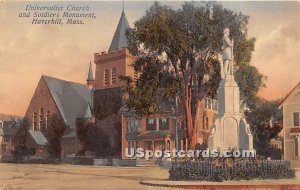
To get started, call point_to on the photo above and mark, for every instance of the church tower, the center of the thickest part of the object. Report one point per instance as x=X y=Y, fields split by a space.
x=117 y=61
x=90 y=79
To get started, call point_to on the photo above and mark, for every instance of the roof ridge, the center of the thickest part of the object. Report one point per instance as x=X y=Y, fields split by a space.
x=50 y=77
x=288 y=94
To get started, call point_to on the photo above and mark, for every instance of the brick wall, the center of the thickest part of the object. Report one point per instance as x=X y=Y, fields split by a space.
x=41 y=98
x=121 y=60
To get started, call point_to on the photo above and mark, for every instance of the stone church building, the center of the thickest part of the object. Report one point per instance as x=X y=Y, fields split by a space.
x=72 y=100
x=66 y=99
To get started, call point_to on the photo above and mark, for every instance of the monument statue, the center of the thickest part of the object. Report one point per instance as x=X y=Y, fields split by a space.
x=230 y=129
x=227 y=51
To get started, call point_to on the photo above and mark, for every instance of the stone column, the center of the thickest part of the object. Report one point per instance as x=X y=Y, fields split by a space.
x=153 y=145
x=181 y=144
x=186 y=144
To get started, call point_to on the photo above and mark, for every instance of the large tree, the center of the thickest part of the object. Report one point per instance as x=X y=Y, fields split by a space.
x=93 y=138
x=265 y=119
x=20 y=139
x=56 y=130
x=177 y=55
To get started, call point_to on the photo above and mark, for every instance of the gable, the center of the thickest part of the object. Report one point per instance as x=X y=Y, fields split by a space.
x=72 y=99
x=290 y=94
x=293 y=98
x=67 y=99
x=41 y=98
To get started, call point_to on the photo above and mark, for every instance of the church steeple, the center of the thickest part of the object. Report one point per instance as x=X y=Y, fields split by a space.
x=119 y=40
x=90 y=80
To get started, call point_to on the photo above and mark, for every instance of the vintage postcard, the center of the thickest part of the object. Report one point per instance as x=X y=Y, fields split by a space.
x=150 y=95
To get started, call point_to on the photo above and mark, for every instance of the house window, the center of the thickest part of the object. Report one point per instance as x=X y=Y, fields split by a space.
x=3 y=148
x=163 y=124
x=209 y=104
x=106 y=77
x=42 y=119
x=14 y=140
x=133 y=125
x=6 y=139
x=113 y=76
x=136 y=125
x=296 y=147
x=206 y=103
x=296 y=119
x=151 y=125
x=34 y=121
x=128 y=126
x=48 y=119
x=132 y=145
x=215 y=105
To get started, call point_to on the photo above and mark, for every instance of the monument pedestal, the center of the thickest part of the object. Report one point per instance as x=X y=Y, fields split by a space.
x=230 y=129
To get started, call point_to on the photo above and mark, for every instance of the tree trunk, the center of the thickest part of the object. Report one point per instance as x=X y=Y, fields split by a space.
x=189 y=116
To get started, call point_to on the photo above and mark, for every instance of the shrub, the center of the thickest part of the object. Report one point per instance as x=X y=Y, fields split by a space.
x=226 y=169
x=56 y=130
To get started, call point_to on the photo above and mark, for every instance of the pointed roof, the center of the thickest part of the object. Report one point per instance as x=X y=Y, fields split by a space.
x=289 y=94
x=90 y=74
x=38 y=137
x=72 y=99
x=119 y=40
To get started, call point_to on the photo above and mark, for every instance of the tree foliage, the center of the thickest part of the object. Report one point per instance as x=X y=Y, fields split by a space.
x=107 y=102
x=177 y=54
x=55 y=131
x=23 y=132
x=21 y=136
x=265 y=120
x=93 y=138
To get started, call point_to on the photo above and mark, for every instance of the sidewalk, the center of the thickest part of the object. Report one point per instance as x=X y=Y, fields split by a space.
x=288 y=184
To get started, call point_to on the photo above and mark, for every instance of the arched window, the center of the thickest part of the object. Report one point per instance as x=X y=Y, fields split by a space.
x=106 y=77
x=42 y=119
x=34 y=121
x=113 y=76
x=48 y=119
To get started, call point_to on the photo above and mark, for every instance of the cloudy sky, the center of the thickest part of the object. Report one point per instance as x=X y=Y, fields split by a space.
x=28 y=51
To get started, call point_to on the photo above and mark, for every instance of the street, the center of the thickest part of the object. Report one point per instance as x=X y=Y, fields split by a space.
x=18 y=176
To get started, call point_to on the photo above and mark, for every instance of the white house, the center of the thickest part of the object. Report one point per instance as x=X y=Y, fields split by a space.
x=291 y=124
